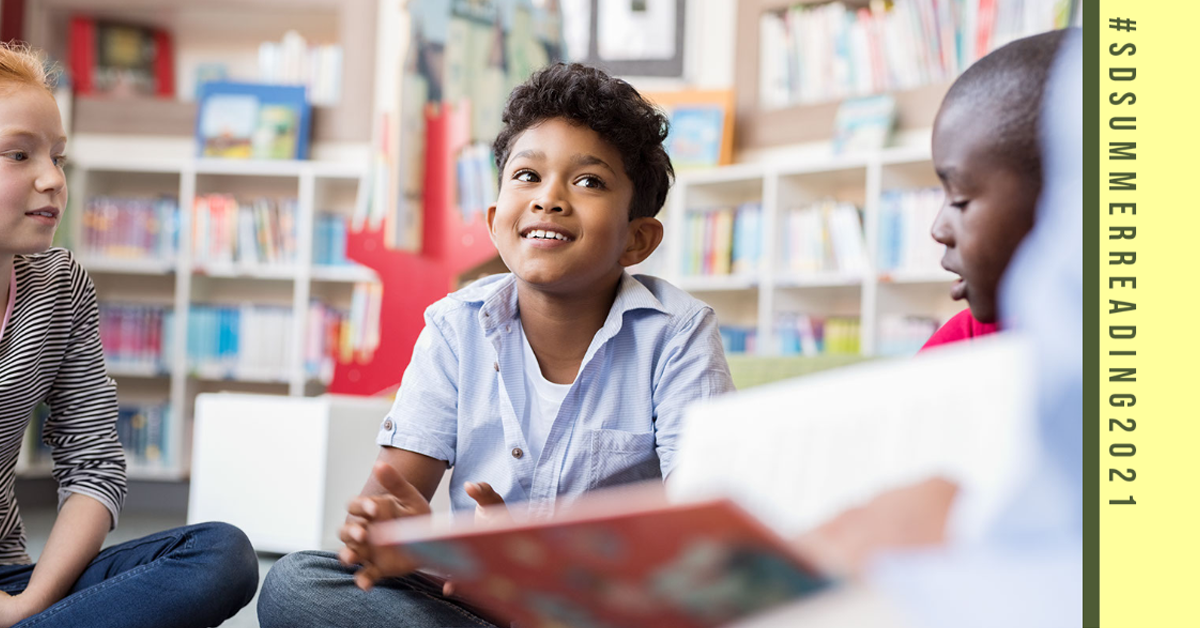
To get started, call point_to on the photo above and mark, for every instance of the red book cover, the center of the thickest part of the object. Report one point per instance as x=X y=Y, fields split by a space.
x=622 y=558
x=164 y=65
x=82 y=53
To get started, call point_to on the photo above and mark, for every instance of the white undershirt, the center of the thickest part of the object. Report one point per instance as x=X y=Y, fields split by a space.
x=544 y=398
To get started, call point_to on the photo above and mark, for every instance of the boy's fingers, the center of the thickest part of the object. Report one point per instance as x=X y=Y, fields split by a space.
x=483 y=494
x=447 y=588
x=349 y=557
x=366 y=577
x=352 y=533
x=395 y=484
x=357 y=508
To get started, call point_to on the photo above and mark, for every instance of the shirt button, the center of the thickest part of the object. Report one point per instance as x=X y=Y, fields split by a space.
x=507 y=329
x=496 y=365
x=517 y=453
x=387 y=425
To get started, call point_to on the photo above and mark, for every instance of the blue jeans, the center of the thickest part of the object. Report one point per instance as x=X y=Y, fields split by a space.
x=313 y=589
x=192 y=577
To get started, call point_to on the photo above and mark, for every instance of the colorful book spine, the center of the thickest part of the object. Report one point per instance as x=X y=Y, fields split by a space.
x=257 y=232
x=802 y=334
x=248 y=342
x=737 y=339
x=329 y=240
x=143 y=430
x=905 y=221
x=130 y=227
x=723 y=241
x=136 y=337
x=826 y=236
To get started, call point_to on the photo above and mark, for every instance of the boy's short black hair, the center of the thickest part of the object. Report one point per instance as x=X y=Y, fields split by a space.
x=1005 y=88
x=610 y=107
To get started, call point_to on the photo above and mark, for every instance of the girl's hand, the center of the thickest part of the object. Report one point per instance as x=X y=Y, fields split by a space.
x=16 y=608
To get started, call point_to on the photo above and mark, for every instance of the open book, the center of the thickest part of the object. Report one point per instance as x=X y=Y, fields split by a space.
x=621 y=558
x=754 y=468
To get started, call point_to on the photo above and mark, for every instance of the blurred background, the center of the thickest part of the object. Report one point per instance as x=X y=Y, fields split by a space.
x=255 y=184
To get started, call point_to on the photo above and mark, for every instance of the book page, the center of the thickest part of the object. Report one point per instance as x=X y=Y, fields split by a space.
x=798 y=452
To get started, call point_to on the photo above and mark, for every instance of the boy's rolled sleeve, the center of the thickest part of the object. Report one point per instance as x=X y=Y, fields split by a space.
x=82 y=427
x=693 y=368
x=424 y=417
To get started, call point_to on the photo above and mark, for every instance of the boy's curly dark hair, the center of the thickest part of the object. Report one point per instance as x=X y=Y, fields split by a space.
x=610 y=107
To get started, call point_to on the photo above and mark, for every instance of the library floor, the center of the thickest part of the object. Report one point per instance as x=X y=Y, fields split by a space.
x=39 y=520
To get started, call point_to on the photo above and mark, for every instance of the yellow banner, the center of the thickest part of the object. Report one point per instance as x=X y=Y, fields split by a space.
x=1149 y=428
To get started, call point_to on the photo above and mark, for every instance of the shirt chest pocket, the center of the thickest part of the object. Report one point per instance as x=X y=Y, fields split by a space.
x=618 y=457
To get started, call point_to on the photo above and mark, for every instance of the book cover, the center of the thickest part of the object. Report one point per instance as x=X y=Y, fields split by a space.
x=617 y=558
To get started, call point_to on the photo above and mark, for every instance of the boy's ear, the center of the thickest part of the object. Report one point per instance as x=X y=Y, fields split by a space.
x=491 y=215
x=645 y=234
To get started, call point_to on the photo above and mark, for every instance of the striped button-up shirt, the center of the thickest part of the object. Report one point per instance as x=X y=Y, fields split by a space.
x=463 y=394
x=50 y=351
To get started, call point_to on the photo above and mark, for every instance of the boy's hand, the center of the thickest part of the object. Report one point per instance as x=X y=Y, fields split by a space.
x=401 y=500
x=910 y=516
x=489 y=509
x=490 y=506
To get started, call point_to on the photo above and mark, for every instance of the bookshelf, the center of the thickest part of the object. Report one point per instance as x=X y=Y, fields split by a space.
x=228 y=32
x=911 y=49
x=184 y=285
x=758 y=301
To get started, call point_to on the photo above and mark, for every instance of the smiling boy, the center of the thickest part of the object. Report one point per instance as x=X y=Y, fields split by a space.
x=985 y=152
x=564 y=376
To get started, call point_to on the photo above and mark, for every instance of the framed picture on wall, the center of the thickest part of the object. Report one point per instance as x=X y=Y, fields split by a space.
x=252 y=121
x=632 y=37
x=701 y=134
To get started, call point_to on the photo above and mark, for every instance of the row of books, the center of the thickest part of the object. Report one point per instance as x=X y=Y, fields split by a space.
x=723 y=240
x=261 y=231
x=802 y=334
x=292 y=61
x=247 y=342
x=136 y=337
x=130 y=227
x=328 y=340
x=737 y=339
x=142 y=428
x=904 y=335
x=240 y=342
x=826 y=52
x=905 y=220
x=823 y=236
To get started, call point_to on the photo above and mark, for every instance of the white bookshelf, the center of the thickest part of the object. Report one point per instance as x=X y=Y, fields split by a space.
x=753 y=300
x=184 y=281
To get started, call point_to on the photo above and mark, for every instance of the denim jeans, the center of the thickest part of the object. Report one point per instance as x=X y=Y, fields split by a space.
x=192 y=577
x=314 y=590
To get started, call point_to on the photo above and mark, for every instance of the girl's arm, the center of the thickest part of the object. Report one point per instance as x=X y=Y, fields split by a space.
x=74 y=541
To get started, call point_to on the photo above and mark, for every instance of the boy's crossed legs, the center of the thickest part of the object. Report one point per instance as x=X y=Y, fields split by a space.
x=315 y=589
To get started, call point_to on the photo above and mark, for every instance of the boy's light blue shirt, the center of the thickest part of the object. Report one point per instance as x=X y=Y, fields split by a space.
x=463 y=394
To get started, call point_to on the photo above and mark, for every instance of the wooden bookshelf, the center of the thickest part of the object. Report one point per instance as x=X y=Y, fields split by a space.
x=224 y=24
x=176 y=118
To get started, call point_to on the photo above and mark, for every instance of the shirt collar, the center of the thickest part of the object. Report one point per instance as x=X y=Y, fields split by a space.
x=498 y=299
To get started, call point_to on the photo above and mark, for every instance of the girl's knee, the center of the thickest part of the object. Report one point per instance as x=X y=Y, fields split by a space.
x=229 y=551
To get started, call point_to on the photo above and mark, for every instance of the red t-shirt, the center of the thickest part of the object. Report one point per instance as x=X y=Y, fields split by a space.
x=962 y=326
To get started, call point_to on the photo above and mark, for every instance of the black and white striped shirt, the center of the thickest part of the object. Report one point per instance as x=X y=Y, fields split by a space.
x=51 y=352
